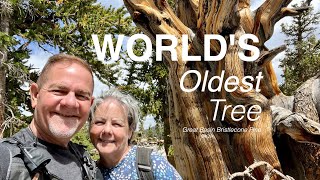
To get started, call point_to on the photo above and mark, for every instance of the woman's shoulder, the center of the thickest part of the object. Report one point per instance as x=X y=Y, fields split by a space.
x=157 y=156
x=161 y=167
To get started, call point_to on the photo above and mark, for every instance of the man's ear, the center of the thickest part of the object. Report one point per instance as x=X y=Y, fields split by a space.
x=34 y=91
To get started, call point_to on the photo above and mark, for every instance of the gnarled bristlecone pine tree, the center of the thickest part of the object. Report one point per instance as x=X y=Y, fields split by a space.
x=221 y=154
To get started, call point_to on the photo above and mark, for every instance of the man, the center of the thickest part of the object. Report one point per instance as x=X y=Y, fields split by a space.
x=61 y=99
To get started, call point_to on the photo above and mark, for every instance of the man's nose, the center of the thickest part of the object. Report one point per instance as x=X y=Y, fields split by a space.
x=70 y=100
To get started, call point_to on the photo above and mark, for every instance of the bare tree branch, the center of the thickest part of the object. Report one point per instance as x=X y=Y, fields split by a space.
x=10 y=119
x=292 y=11
x=296 y=125
x=267 y=56
x=16 y=72
x=269 y=172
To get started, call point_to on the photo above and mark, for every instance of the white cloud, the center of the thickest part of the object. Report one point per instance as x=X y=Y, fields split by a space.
x=149 y=122
x=99 y=87
x=38 y=59
x=255 y=4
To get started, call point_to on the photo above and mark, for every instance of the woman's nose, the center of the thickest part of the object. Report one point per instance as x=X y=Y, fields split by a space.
x=107 y=128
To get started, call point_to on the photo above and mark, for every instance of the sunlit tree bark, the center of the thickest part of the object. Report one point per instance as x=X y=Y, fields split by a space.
x=223 y=153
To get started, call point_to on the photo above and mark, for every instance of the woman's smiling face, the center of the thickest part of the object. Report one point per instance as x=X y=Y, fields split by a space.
x=109 y=130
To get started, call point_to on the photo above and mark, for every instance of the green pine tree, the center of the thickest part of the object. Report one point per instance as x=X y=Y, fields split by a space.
x=64 y=26
x=302 y=59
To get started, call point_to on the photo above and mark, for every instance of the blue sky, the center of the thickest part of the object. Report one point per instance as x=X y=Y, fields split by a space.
x=39 y=57
x=113 y=3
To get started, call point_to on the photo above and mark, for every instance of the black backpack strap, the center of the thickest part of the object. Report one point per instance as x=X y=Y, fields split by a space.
x=144 y=166
x=92 y=172
x=34 y=161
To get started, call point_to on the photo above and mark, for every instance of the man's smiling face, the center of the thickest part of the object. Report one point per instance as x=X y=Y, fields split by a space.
x=62 y=103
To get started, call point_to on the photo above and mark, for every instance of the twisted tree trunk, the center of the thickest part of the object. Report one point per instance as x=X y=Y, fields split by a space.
x=216 y=155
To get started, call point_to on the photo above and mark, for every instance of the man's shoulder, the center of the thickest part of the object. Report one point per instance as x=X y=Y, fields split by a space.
x=9 y=155
x=9 y=145
x=12 y=165
x=5 y=152
x=24 y=136
x=4 y=160
x=6 y=146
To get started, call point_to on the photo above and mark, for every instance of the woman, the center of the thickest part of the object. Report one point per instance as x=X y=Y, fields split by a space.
x=113 y=121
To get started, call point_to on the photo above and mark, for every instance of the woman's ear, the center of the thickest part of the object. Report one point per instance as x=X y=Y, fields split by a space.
x=34 y=91
x=130 y=133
